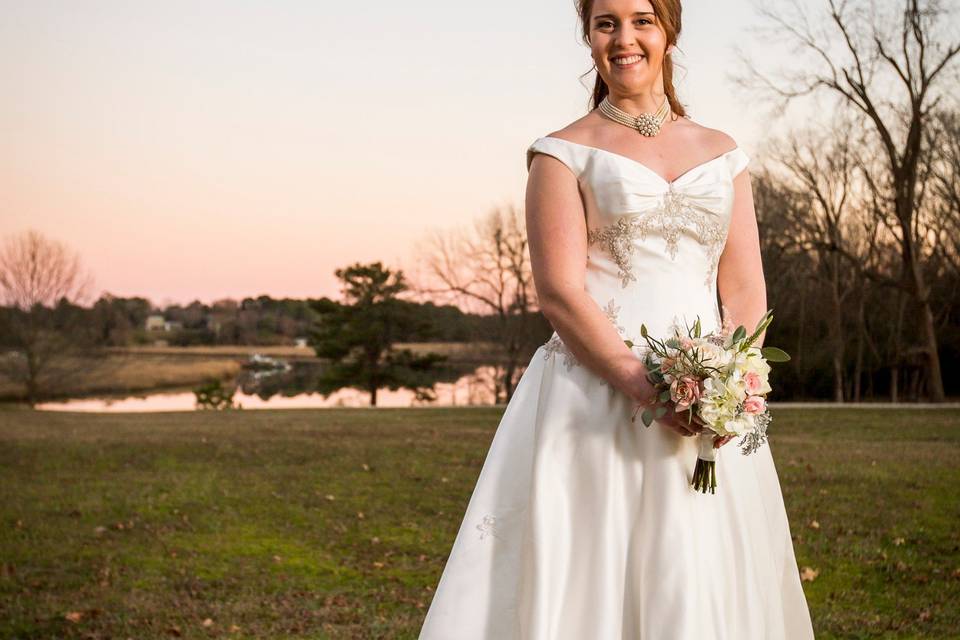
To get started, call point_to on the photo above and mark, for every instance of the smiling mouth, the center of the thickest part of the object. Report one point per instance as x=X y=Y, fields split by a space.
x=626 y=61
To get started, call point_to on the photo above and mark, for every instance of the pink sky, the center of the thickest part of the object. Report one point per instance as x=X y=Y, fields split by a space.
x=226 y=151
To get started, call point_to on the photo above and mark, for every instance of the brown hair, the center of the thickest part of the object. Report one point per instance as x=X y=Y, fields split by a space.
x=668 y=15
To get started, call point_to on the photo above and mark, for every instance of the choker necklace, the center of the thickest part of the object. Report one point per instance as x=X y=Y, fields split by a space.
x=647 y=124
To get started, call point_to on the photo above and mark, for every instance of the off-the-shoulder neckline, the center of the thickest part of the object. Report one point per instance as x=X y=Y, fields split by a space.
x=643 y=166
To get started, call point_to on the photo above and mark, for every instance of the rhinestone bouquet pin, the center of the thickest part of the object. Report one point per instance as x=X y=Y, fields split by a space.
x=719 y=377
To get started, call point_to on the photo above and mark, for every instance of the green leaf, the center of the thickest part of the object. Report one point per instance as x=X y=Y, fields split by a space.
x=672 y=342
x=659 y=412
x=629 y=343
x=643 y=330
x=664 y=395
x=774 y=354
x=739 y=334
x=696 y=328
x=647 y=417
x=761 y=325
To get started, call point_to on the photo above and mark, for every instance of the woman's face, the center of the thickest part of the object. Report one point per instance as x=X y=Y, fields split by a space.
x=623 y=28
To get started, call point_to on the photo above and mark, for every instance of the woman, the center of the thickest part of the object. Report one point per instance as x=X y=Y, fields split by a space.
x=583 y=523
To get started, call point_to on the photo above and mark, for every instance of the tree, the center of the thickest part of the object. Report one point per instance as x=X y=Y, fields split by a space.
x=861 y=56
x=489 y=270
x=943 y=171
x=358 y=335
x=821 y=168
x=40 y=281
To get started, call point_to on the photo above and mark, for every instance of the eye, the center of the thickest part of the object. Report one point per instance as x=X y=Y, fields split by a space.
x=601 y=24
x=646 y=20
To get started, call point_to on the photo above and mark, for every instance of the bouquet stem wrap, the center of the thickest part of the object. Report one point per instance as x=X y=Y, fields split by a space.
x=705 y=473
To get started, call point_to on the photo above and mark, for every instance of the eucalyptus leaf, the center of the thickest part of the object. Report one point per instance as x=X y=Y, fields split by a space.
x=647 y=417
x=774 y=354
x=659 y=412
x=739 y=334
x=664 y=395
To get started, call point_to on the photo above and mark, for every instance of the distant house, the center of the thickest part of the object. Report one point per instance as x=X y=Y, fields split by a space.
x=155 y=323
x=300 y=342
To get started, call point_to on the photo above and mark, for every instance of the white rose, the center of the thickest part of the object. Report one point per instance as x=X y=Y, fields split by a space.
x=710 y=412
x=712 y=355
x=737 y=426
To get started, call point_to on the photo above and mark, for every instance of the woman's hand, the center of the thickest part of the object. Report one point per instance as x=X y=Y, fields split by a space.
x=719 y=441
x=681 y=421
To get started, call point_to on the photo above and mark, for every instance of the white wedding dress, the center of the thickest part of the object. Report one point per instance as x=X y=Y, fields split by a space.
x=583 y=525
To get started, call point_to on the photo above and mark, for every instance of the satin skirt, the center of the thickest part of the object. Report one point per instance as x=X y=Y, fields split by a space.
x=583 y=525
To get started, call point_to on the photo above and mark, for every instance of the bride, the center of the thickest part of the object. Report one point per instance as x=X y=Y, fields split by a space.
x=583 y=524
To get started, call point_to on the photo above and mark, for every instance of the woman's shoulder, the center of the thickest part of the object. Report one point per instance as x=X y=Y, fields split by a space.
x=554 y=144
x=581 y=131
x=705 y=137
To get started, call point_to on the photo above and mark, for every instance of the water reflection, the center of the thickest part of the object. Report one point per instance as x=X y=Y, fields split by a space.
x=296 y=388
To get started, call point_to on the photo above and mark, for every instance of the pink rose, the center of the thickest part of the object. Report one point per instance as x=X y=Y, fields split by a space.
x=754 y=405
x=686 y=343
x=684 y=391
x=753 y=382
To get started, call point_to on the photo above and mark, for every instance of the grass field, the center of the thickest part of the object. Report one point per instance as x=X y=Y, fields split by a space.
x=336 y=523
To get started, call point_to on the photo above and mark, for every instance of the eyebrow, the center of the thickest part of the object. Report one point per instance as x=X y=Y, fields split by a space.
x=636 y=13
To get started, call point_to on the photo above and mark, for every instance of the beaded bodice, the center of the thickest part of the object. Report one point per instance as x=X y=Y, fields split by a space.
x=653 y=244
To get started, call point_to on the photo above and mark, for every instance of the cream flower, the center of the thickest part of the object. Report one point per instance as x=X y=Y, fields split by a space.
x=712 y=355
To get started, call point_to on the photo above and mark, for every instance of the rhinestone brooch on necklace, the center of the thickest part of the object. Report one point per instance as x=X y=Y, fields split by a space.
x=647 y=124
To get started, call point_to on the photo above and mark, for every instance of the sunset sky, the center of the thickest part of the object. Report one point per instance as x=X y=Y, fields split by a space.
x=209 y=149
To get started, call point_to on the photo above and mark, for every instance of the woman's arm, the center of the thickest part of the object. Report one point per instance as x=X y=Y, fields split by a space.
x=740 y=281
x=557 y=234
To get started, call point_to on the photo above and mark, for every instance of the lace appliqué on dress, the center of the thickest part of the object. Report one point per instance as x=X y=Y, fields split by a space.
x=487 y=527
x=670 y=218
x=555 y=345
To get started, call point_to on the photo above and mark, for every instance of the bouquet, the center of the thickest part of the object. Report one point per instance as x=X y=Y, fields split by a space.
x=722 y=378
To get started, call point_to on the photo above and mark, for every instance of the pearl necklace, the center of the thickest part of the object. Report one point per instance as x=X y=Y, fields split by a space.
x=647 y=124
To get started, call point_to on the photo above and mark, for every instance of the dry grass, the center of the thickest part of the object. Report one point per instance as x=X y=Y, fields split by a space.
x=147 y=368
x=126 y=373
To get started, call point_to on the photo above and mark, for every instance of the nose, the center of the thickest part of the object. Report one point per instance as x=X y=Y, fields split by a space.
x=625 y=36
